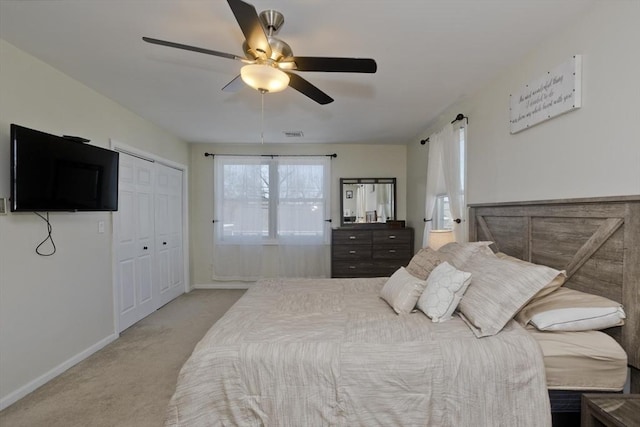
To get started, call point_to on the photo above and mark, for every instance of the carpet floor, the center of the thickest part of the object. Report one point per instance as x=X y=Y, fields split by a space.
x=130 y=381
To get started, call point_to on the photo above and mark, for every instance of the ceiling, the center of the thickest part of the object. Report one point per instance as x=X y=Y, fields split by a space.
x=430 y=54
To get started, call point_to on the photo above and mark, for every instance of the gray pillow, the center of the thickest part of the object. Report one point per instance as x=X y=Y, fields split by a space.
x=499 y=289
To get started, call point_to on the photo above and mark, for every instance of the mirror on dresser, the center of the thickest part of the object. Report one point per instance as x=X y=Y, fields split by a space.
x=367 y=201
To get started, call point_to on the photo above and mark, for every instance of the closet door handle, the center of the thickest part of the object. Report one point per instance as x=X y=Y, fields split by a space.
x=164 y=243
x=352 y=237
x=392 y=236
x=145 y=248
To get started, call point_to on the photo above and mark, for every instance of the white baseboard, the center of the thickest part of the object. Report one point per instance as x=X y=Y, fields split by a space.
x=224 y=285
x=18 y=394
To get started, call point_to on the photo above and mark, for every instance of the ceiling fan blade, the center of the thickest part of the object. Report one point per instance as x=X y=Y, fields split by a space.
x=234 y=85
x=195 y=49
x=306 y=88
x=250 y=25
x=335 y=65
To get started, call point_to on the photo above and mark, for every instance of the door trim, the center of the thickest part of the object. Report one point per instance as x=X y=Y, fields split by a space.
x=136 y=152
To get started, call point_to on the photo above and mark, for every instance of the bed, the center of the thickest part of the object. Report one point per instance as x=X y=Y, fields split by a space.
x=597 y=242
x=332 y=352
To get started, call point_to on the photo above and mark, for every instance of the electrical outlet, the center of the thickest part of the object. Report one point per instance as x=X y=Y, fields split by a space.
x=100 y=226
x=3 y=206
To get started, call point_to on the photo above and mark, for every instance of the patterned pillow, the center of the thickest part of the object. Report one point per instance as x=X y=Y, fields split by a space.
x=402 y=291
x=549 y=288
x=458 y=254
x=499 y=290
x=423 y=263
x=445 y=287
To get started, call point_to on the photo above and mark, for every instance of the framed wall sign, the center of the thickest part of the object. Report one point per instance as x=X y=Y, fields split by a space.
x=557 y=92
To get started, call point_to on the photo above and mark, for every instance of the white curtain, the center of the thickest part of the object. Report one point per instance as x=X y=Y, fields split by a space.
x=454 y=173
x=304 y=206
x=361 y=203
x=435 y=180
x=239 y=215
x=383 y=198
x=270 y=217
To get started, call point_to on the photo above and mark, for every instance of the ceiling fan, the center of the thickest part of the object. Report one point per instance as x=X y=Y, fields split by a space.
x=269 y=60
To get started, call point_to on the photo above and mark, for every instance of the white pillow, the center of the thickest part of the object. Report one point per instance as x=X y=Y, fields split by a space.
x=445 y=287
x=570 y=310
x=402 y=291
x=579 y=319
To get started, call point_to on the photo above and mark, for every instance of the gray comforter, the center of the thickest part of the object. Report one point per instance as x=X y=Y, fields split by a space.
x=330 y=352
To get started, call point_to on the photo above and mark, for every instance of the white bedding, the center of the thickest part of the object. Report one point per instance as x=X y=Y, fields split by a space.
x=585 y=360
x=305 y=352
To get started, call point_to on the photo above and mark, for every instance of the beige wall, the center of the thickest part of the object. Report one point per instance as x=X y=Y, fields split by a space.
x=381 y=161
x=590 y=152
x=53 y=309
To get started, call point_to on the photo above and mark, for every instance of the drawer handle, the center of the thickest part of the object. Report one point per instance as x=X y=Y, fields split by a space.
x=392 y=251
x=352 y=237
x=352 y=252
x=352 y=267
x=392 y=236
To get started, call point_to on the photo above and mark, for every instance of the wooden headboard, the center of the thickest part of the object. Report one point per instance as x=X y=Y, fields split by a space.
x=596 y=240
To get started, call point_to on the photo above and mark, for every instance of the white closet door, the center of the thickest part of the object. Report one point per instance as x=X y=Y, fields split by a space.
x=134 y=229
x=168 y=226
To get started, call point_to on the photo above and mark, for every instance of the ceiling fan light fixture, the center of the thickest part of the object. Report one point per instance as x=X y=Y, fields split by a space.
x=263 y=77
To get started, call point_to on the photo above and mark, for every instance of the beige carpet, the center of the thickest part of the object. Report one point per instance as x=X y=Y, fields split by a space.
x=130 y=381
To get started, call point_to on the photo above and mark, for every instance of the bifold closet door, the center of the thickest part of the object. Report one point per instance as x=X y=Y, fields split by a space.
x=137 y=297
x=168 y=230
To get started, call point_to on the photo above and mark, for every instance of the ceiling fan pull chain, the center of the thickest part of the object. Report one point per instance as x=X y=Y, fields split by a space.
x=262 y=118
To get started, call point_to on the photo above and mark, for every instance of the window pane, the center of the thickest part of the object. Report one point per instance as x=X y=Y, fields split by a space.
x=442 y=217
x=245 y=200
x=301 y=200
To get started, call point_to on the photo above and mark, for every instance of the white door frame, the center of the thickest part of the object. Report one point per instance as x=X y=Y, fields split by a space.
x=127 y=149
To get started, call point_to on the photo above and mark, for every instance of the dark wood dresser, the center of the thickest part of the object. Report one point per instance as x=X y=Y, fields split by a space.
x=377 y=252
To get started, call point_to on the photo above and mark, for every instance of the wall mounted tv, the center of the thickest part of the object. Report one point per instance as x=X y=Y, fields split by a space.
x=53 y=173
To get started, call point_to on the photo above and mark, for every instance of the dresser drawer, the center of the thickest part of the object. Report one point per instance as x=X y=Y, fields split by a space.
x=385 y=268
x=351 y=237
x=391 y=252
x=353 y=269
x=401 y=236
x=351 y=252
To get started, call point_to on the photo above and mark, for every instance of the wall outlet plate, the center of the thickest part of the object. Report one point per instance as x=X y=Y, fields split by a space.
x=3 y=206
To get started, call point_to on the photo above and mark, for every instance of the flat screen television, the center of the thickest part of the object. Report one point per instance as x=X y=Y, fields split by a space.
x=53 y=173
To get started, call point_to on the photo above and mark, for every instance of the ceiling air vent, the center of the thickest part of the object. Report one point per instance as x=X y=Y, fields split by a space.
x=293 y=133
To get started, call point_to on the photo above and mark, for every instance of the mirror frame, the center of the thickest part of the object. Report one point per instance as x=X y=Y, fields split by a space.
x=365 y=181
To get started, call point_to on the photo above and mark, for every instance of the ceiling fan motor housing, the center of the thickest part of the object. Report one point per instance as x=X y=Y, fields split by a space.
x=272 y=21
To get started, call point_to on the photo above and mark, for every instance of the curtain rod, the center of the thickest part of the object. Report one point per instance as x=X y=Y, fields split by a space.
x=459 y=117
x=334 y=155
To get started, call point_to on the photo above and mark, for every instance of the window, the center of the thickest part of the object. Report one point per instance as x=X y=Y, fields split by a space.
x=442 y=215
x=271 y=200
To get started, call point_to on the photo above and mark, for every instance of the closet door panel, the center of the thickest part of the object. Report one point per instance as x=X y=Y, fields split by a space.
x=169 y=231
x=162 y=235
x=134 y=241
x=145 y=237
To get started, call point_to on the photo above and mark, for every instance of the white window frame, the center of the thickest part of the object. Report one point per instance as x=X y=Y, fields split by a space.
x=273 y=201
